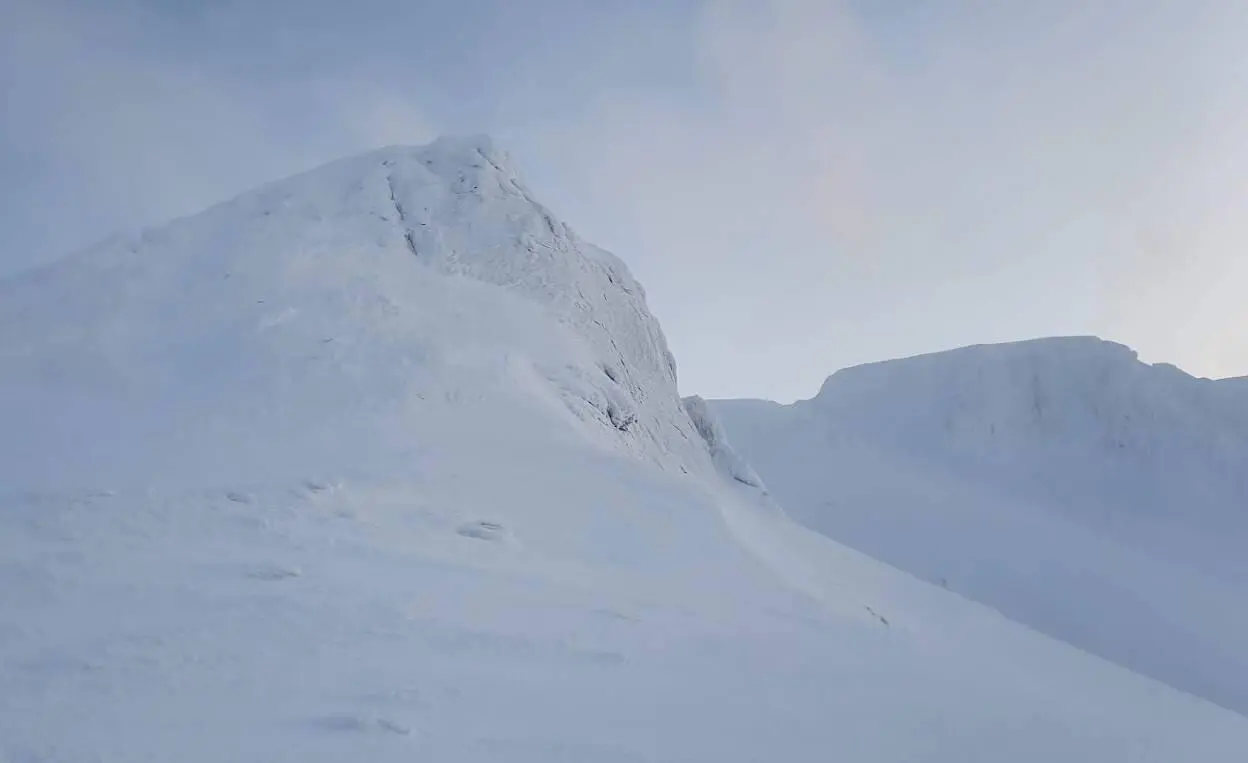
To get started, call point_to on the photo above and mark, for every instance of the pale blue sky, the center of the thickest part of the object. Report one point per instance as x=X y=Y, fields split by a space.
x=801 y=184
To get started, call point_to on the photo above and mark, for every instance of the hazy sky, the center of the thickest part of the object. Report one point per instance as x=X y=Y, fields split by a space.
x=800 y=184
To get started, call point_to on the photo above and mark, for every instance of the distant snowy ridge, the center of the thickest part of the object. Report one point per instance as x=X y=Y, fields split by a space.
x=1096 y=498
x=1073 y=388
x=1033 y=413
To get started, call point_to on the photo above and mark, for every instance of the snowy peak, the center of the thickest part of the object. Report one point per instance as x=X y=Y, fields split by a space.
x=1038 y=415
x=1080 y=392
x=368 y=283
x=457 y=152
x=1063 y=482
x=1085 y=346
x=1083 y=356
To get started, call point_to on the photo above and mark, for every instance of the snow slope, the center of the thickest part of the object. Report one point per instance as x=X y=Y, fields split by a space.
x=1075 y=489
x=342 y=301
x=383 y=463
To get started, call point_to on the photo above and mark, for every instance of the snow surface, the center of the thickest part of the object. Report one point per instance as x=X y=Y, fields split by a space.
x=1075 y=489
x=382 y=462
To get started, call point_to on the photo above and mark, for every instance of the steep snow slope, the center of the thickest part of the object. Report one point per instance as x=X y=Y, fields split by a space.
x=1075 y=489
x=343 y=301
x=383 y=463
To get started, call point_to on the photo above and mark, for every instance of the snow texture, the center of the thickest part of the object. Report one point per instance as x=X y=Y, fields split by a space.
x=382 y=462
x=1075 y=489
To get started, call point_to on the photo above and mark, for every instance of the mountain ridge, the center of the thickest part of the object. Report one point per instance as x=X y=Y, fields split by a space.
x=1062 y=481
x=315 y=265
x=356 y=466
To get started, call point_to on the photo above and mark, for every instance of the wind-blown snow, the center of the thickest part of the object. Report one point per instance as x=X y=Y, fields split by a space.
x=1075 y=489
x=383 y=463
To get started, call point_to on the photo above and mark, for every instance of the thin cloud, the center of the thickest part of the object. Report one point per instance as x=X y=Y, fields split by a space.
x=136 y=135
x=844 y=189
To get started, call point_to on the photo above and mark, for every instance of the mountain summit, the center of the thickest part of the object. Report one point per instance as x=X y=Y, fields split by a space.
x=340 y=300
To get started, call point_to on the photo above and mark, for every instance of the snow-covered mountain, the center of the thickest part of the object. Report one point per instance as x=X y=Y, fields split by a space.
x=1062 y=481
x=382 y=462
x=337 y=307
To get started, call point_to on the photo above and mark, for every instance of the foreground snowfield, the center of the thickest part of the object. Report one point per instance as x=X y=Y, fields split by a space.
x=620 y=618
x=383 y=463
x=1077 y=490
